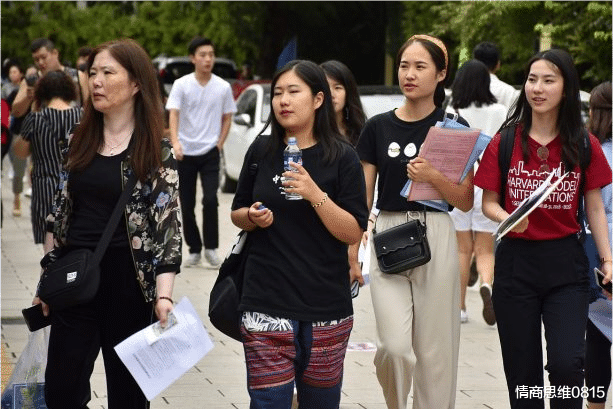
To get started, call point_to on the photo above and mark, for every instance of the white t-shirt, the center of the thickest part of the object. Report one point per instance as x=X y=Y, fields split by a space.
x=200 y=111
x=505 y=94
x=488 y=118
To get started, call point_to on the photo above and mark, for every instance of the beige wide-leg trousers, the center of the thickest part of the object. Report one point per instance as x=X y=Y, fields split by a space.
x=418 y=319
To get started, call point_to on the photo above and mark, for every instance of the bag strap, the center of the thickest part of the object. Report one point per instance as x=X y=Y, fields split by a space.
x=585 y=157
x=114 y=219
x=505 y=152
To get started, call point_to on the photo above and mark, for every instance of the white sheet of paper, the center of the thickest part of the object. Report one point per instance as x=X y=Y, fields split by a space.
x=528 y=205
x=157 y=357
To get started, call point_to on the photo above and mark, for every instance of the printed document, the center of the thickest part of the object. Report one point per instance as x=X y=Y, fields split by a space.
x=448 y=150
x=528 y=205
x=156 y=356
x=478 y=149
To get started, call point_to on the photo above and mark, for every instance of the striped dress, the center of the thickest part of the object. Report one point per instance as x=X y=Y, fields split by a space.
x=46 y=131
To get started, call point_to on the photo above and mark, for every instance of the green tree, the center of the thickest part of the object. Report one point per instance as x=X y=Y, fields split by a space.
x=584 y=28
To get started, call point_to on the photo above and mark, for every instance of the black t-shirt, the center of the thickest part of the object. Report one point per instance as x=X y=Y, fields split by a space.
x=296 y=269
x=95 y=192
x=389 y=143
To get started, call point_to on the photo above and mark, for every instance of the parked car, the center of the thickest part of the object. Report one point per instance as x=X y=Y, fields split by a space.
x=253 y=109
x=171 y=68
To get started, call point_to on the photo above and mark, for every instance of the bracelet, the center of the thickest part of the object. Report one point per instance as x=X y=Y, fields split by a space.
x=165 y=298
x=372 y=220
x=604 y=260
x=249 y=217
x=321 y=202
x=496 y=215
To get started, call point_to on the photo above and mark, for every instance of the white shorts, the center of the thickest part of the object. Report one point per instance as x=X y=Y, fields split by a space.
x=474 y=219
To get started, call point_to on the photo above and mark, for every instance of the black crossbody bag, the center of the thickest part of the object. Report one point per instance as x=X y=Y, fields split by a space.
x=74 y=278
x=402 y=247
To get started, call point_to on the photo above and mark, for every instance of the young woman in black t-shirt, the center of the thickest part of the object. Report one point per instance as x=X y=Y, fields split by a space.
x=417 y=311
x=296 y=293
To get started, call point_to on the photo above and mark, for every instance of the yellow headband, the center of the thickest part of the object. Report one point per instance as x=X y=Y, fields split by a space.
x=434 y=40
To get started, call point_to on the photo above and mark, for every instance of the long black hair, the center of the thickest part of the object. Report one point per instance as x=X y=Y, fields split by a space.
x=471 y=85
x=353 y=113
x=569 y=122
x=325 y=129
x=600 y=111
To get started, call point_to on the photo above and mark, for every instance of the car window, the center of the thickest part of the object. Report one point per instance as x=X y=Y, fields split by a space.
x=246 y=103
x=224 y=70
x=266 y=106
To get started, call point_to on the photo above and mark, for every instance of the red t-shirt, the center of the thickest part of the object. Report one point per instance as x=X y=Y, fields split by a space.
x=556 y=217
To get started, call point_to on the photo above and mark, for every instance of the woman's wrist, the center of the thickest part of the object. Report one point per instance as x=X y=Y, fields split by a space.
x=163 y=297
x=321 y=202
x=250 y=219
x=604 y=260
x=498 y=219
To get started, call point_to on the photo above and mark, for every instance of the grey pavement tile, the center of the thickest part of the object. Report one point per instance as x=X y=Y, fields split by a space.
x=219 y=379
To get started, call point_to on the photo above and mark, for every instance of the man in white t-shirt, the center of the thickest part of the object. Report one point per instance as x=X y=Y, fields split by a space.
x=200 y=110
x=488 y=54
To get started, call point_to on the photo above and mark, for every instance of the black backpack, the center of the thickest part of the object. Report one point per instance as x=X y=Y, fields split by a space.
x=505 y=151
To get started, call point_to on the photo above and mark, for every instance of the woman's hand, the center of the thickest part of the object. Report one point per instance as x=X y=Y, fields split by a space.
x=261 y=217
x=521 y=226
x=606 y=269
x=36 y=301
x=302 y=184
x=162 y=308
x=420 y=170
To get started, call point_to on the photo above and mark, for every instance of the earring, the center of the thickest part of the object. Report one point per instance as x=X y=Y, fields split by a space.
x=346 y=113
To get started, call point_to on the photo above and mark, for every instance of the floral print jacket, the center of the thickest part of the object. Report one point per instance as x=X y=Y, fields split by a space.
x=153 y=215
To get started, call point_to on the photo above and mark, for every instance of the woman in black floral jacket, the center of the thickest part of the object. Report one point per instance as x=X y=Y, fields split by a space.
x=120 y=134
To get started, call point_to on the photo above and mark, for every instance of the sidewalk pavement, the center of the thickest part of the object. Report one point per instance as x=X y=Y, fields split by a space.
x=218 y=380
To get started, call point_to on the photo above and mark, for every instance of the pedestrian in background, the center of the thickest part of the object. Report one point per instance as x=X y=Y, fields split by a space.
x=9 y=92
x=120 y=135
x=296 y=293
x=350 y=120
x=10 y=87
x=472 y=99
x=43 y=134
x=489 y=55
x=83 y=54
x=598 y=338
x=417 y=311
x=348 y=109
x=541 y=267
x=46 y=58
x=200 y=111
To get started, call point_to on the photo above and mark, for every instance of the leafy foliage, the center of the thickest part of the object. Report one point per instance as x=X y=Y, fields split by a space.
x=357 y=33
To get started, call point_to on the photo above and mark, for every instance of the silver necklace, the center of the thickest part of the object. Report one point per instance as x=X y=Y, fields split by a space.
x=112 y=148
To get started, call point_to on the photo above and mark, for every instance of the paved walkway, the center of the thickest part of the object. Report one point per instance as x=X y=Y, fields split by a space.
x=218 y=380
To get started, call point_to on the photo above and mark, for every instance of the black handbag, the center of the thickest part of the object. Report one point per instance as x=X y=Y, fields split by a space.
x=402 y=247
x=226 y=292
x=74 y=278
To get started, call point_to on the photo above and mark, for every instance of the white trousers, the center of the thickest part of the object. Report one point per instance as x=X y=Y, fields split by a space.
x=418 y=319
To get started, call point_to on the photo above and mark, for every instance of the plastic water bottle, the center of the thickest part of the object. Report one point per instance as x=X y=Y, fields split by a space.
x=292 y=154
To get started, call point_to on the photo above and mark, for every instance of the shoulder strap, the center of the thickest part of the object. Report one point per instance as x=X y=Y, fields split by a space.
x=505 y=152
x=585 y=157
x=112 y=223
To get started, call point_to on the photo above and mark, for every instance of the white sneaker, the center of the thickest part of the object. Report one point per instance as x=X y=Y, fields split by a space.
x=463 y=316
x=193 y=260
x=212 y=258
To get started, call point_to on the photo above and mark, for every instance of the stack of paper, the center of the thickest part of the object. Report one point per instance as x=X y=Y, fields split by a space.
x=451 y=148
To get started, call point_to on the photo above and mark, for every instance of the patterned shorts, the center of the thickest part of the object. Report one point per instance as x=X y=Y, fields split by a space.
x=278 y=350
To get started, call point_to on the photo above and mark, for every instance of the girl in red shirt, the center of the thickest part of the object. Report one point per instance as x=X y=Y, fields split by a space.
x=541 y=271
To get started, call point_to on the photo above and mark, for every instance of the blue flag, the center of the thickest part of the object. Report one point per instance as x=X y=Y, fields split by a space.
x=289 y=53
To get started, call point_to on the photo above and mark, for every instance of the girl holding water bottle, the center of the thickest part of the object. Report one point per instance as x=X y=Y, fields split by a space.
x=296 y=293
